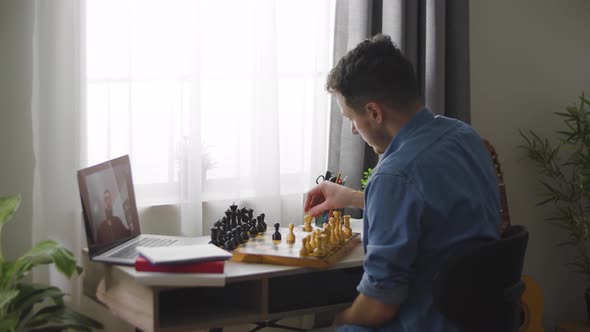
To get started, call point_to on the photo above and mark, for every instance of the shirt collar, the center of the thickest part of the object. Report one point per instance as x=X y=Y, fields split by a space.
x=418 y=120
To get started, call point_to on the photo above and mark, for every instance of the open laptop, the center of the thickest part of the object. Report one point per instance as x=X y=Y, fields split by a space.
x=110 y=214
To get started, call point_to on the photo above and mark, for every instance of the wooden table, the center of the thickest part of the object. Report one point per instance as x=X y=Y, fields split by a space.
x=245 y=293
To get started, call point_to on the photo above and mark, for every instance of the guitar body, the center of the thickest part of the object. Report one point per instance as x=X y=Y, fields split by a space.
x=504 y=201
x=532 y=297
x=501 y=187
x=532 y=306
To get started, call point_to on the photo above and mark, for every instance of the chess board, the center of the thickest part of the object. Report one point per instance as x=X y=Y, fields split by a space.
x=262 y=249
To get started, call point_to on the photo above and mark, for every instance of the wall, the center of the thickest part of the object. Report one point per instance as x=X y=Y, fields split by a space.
x=530 y=59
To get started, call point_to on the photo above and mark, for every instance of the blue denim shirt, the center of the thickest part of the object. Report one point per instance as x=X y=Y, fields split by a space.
x=434 y=188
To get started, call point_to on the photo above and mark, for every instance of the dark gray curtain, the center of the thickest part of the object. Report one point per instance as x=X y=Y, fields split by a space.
x=434 y=34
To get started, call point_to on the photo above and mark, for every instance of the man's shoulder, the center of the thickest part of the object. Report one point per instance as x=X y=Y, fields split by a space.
x=415 y=148
x=428 y=146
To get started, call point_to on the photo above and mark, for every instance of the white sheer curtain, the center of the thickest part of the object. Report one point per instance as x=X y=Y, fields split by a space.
x=55 y=110
x=56 y=102
x=215 y=101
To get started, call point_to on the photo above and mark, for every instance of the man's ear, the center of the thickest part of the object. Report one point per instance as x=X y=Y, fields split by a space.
x=374 y=111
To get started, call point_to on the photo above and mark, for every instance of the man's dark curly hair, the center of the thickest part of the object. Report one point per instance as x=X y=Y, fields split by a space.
x=375 y=70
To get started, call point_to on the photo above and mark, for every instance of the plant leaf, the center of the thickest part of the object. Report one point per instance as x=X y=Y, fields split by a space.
x=62 y=316
x=37 y=307
x=8 y=206
x=60 y=327
x=8 y=323
x=32 y=294
x=74 y=316
x=6 y=296
x=567 y=243
x=47 y=252
x=43 y=316
x=545 y=201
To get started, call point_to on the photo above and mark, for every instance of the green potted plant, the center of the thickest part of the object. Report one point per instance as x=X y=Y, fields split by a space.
x=365 y=179
x=565 y=179
x=26 y=306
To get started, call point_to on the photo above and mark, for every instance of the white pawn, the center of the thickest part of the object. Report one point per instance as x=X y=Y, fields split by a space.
x=304 y=251
x=347 y=229
x=333 y=233
x=309 y=244
x=315 y=238
x=336 y=215
x=291 y=236
x=321 y=249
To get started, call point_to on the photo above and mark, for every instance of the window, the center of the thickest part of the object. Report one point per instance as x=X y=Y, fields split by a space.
x=237 y=83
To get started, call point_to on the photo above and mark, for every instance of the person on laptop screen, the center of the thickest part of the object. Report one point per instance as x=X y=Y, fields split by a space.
x=112 y=227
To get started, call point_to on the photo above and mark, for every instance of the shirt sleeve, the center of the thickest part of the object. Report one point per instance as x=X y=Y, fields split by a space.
x=393 y=212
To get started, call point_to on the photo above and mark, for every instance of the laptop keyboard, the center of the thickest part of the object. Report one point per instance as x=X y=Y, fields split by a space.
x=131 y=251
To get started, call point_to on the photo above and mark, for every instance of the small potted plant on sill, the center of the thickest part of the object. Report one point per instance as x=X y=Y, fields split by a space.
x=26 y=306
x=565 y=179
x=365 y=179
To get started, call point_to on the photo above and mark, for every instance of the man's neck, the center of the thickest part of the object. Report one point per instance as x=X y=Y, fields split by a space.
x=398 y=119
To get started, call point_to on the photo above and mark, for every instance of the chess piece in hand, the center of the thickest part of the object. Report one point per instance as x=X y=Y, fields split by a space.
x=307 y=223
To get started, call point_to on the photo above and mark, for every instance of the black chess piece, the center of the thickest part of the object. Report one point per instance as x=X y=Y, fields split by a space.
x=243 y=233
x=214 y=234
x=277 y=235
x=261 y=222
x=238 y=234
x=260 y=227
x=222 y=230
x=230 y=236
x=221 y=238
x=253 y=229
x=230 y=242
x=244 y=215
x=229 y=219
x=234 y=219
x=219 y=224
x=233 y=207
x=229 y=245
x=239 y=217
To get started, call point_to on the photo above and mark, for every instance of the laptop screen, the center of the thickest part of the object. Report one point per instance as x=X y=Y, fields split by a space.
x=108 y=204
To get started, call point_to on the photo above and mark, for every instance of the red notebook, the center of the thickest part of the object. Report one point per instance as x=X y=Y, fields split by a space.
x=142 y=264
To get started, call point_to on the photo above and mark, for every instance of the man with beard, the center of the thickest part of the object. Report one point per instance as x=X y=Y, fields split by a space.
x=111 y=228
